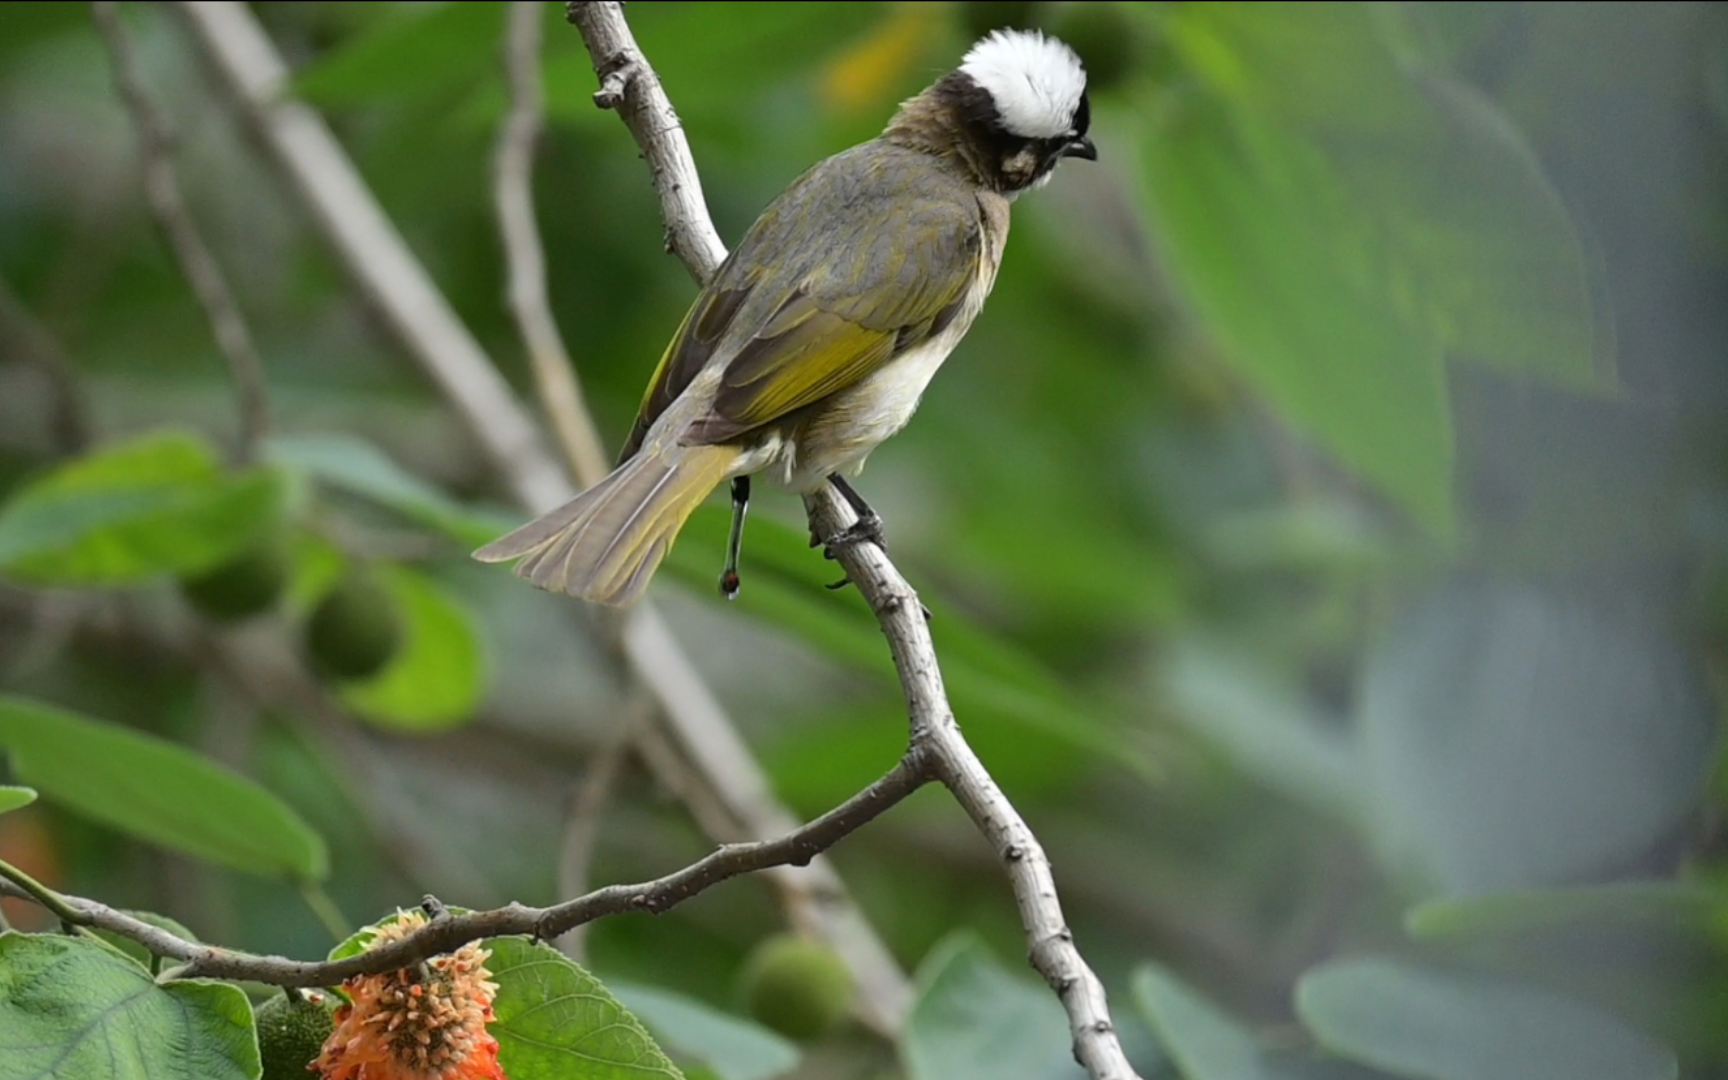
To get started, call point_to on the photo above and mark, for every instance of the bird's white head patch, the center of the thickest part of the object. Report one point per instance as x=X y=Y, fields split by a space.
x=1035 y=81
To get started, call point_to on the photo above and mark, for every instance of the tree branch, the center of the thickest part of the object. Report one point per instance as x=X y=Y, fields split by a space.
x=322 y=176
x=444 y=935
x=513 y=176
x=168 y=207
x=628 y=84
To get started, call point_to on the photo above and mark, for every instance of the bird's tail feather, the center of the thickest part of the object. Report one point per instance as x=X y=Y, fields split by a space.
x=605 y=544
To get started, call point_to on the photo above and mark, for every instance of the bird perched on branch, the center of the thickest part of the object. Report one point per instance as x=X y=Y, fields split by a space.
x=818 y=334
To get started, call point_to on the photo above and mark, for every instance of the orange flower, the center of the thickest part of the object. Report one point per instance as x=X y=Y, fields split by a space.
x=421 y=1023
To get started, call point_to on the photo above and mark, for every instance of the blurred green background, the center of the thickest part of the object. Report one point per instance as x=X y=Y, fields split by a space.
x=1325 y=524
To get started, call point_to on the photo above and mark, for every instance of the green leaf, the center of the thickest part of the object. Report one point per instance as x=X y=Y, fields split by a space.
x=1517 y=737
x=1253 y=221
x=1267 y=57
x=360 y=468
x=1659 y=903
x=157 y=504
x=415 y=52
x=972 y=1020
x=733 y=1047
x=438 y=674
x=1444 y=1026
x=72 y=1010
x=1205 y=1043
x=150 y=788
x=556 y=1020
x=11 y=798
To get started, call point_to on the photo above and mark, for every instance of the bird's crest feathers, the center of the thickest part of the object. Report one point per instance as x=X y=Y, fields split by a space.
x=1035 y=81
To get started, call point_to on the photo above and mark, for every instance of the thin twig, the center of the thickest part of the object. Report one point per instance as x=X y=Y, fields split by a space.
x=321 y=174
x=444 y=935
x=513 y=173
x=629 y=85
x=23 y=335
x=168 y=207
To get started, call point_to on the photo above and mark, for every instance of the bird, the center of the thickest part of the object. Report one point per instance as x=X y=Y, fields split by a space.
x=816 y=337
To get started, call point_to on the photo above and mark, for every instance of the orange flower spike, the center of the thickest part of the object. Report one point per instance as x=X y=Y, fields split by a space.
x=421 y=1023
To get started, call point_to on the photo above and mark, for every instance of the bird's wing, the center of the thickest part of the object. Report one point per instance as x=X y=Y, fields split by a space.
x=792 y=325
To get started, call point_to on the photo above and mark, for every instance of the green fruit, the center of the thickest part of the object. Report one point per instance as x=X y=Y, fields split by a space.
x=245 y=585
x=798 y=987
x=355 y=629
x=979 y=17
x=291 y=1032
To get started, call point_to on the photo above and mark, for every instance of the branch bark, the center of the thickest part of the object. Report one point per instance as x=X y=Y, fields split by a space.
x=628 y=84
x=444 y=935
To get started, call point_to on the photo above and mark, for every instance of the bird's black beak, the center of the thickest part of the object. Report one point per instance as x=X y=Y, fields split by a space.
x=1081 y=148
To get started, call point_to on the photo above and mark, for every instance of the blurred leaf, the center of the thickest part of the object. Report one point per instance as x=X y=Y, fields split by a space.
x=733 y=1047
x=11 y=798
x=1249 y=218
x=149 y=788
x=1661 y=903
x=156 y=504
x=361 y=468
x=136 y=951
x=438 y=674
x=1337 y=66
x=418 y=50
x=984 y=673
x=1518 y=738
x=72 y=1010
x=557 y=1020
x=1268 y=729
x=972 y=1020
x=1442 y=1026
x=1204 y=1042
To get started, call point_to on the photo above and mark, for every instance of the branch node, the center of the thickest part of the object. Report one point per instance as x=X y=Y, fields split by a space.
x=616 y=75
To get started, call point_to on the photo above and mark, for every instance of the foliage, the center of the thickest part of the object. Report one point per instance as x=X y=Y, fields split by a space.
x=1325 y=527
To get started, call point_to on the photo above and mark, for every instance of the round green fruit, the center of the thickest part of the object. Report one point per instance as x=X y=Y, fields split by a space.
x=355 y=629
x=291 y=1032
x=798 y=987
x=245 y=585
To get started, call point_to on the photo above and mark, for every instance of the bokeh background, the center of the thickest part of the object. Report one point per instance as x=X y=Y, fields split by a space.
x=1326 y=523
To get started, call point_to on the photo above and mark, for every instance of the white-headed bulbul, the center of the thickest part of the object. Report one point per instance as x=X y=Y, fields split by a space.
x=818 y=334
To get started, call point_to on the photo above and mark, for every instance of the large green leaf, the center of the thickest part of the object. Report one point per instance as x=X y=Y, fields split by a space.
x=1517 y=737
x=1437 y=1025
x=439 y=673
x=1250 y=218
x=972 y=1020
x=159 y=503
x=1664 y=904
x=73 y=1010
x=1205 y=1043
x=354 y=465
x=157 y=791
x=732 y=1047
x=556 y=1021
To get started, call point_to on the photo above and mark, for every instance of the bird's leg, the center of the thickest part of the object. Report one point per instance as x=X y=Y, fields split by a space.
x=867 y=529
x=735 y=538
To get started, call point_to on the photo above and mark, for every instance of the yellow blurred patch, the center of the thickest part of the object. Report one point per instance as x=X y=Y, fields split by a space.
x=862 y=75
